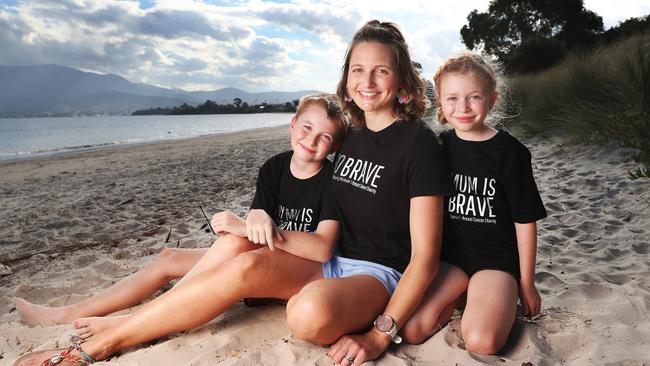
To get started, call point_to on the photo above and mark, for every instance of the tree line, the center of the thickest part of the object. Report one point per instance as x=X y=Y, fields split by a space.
x=533 y=35
x=211 y=107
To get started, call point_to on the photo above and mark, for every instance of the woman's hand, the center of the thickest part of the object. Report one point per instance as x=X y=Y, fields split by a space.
x=228 y=222
x=359 y=348
x=261 y=229
x=530 y=299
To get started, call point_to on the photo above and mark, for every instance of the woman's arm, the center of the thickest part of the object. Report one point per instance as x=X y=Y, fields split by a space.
x=425 y=217
x=527 y=246
x=317 y=246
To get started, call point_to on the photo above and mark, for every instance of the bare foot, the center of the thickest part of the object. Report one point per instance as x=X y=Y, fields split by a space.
x=32 y=314
x=88 y=327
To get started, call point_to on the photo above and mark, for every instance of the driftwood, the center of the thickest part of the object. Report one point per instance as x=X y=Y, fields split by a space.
x=168 y=235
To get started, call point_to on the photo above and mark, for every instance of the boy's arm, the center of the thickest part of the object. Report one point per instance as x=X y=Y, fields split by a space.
x=261 y=229
x=527 y=246
x=317 y=246
x=228 y=222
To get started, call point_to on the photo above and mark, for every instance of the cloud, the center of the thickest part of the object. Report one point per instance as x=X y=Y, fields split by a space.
x=255 y=45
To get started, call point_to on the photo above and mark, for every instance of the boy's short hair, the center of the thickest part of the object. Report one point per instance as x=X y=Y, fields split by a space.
x=334 y=110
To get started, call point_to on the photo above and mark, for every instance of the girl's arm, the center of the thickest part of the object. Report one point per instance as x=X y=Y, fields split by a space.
x=527 y=246
x=425 y=217
x=317 y=246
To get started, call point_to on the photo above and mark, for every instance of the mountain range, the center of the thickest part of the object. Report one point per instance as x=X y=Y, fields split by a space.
x=46 y=90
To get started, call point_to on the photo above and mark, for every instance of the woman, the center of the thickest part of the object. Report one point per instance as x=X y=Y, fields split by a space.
x=389 y=179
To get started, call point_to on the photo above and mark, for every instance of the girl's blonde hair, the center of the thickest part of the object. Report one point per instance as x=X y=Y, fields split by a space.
x=468 y=62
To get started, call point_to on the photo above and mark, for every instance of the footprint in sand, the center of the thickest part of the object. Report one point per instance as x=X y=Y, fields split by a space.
x=560 y=334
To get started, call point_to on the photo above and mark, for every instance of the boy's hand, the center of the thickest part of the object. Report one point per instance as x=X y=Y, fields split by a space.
x=228 y=222
x=530 y=299
x=261 y=229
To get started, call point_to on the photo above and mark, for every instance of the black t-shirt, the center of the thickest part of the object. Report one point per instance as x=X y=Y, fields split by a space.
x=493 y=188
x=375 y=176
x=294 y=204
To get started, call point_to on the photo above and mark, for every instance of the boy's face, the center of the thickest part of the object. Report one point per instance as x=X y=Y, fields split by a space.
x=312 y=134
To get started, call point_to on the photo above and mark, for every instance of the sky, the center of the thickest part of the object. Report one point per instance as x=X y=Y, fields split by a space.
x=254 y=45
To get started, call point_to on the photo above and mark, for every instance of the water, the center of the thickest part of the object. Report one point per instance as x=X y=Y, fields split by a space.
x=22 y=138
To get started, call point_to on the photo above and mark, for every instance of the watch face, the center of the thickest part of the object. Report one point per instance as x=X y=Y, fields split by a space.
x=384 y=323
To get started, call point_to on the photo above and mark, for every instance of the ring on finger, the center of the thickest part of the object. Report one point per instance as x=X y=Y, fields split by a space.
x=349 y=358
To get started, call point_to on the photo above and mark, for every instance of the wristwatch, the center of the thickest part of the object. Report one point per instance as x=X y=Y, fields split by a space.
x=385 y=324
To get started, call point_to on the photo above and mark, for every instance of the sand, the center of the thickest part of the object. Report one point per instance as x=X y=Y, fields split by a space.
x=74 y=224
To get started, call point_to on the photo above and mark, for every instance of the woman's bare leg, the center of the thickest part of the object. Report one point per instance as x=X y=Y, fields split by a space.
x=169 y=264
x=223 y=249
x=437 y=305
x=260 y=273
x=226 y=247
x=325 y=310
x=490 y=311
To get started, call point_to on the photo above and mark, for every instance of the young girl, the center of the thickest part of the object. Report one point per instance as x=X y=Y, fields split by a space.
x=489 y=223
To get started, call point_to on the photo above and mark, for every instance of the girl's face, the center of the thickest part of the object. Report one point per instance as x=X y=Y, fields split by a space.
x=372 y=79
x=465 y=101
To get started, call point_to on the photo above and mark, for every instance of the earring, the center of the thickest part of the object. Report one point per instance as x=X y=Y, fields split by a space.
x=402 y=95
x=347 y=98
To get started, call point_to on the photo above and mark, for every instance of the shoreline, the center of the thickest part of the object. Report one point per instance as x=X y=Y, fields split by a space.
x=73 y=225
x=110 y=146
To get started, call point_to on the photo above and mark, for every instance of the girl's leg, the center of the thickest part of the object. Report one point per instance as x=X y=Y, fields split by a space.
x=437 y=305
x=490 y=311
x=169 y=264
x=259 y=273
x=327 y=309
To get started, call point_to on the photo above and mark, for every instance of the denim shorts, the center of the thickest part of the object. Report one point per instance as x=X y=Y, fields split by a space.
x=340 y=267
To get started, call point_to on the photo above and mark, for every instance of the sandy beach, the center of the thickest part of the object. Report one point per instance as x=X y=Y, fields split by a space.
x=75 y=224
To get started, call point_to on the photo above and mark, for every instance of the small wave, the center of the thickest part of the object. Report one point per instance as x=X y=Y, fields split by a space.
x=11 y=155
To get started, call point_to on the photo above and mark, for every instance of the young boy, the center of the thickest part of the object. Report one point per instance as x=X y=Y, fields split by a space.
x=292 y=190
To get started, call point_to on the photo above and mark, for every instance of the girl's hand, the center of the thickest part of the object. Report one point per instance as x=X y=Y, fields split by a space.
x=359 y=347
x=228 y=222
x=530 y=299
x=261 y=229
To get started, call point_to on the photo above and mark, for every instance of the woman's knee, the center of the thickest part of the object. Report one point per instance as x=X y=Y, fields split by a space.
x=247 y=268
x=309 y=316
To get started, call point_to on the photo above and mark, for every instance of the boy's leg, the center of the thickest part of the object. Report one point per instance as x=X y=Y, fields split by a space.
x=325 y=310
x=490 y=311
x=259 y=273
x=437 y=305
x=169 y=264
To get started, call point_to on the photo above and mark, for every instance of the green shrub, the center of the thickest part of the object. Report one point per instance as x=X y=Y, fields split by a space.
x=602 y=96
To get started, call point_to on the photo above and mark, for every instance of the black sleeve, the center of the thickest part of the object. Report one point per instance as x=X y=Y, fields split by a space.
x=328 y=207
x=266 y=195
x=428 y=169
x=520 y=188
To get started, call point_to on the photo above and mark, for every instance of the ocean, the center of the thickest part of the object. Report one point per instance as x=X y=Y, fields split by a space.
x=24 y=138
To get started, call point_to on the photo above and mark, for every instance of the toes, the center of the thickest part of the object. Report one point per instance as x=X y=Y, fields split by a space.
x=80 y=323
x=85 y=335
